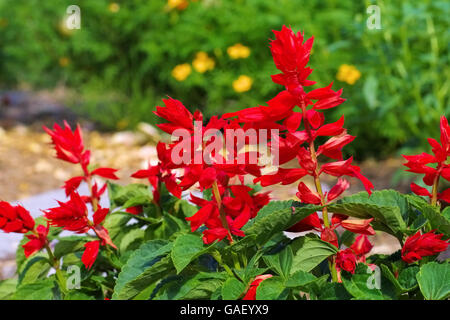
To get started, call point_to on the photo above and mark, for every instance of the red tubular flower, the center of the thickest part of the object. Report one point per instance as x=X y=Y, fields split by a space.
x=420 y=164
x=329 y=235
x=338 y=189
x=306 y=195
x=421 y=245
x=358 y=226
x=90 y=253
x=361 y=246
x=15 y=218
x=70 y=215
x=251 y=293
x=311 y=222
x=176 y=113
x=68 y=145
x=36 y=241
x=346 y=260
x=160 y=173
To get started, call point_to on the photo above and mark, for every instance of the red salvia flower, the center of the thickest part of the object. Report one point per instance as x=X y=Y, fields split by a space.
x=37 y=241
x=346 y=260
x=90 y=253
x=15 y=218
x=71 y=215
x=421 y=245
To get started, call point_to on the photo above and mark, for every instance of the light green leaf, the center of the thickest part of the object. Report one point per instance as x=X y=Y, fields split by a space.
x=270 y=289
x=280 y=262
x=311 y=252
x=185 y=249
x=42 y=290
x=434 y=280
x=300 y=278
x=232 y=289
x=142 y=259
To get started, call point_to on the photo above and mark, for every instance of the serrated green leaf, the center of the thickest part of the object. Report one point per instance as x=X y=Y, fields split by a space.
x=143 y=258
x=69 y=244
x=185 y=249
x=311 y=252
x=34 y=269
x=387 y=207
x=359 y=284
x=131 y=239
x=232 y=289
x=434 y=280
x=275 y=217
x=437 y=220
x=280 y=262
x=270 y=289
x=7 y=288
x=42 y=290
x=299 y=278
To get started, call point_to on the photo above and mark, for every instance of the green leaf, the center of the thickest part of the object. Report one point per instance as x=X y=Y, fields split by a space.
x=119 y=195
x=147 y=278
x=437 y=220
x=131 y=239
x=7 y=288
x=434 y=280
x=360 y=286
x=387 y=207
x=311 y=252
x=185 y=249
x=232 y=289
x=299 y=278
x=69 y=244
x=78 y=295
x=406 y=280
x=275 y=217
x=143 y=258
x=191 y=287
x=333 y=291
x=42 y=290
x=270 y=289
x=34 y=269
x=280 y=262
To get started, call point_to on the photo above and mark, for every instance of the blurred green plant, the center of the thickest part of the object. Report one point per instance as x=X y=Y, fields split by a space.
x=122 y=60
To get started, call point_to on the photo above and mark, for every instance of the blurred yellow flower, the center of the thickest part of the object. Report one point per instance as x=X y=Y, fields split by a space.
x=181 y=71
x=114 y=7
x=238 y=51
x=203 y=62
x=3 y=22
x=177 y=4
x=64 y=61
x=242 y=84
x=122 y=124
x=348 y=73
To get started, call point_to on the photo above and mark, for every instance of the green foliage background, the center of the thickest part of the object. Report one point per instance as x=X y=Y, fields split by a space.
x=120 y=63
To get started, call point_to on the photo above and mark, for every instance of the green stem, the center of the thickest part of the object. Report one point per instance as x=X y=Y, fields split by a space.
x=55 y=264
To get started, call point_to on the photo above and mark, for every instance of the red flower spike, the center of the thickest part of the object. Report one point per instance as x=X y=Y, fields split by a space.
x=311 y=222
x=90 y=253
x=419 y=190
x=36 y=241
x=134 y=210
x=178 y=116
x=421 y=245
x=68 y=145
x=329 y=235
x=72 y=184
x=15 y=218
x=70 y=215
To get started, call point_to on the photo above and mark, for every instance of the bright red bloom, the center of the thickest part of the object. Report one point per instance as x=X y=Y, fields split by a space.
x=338 y=189
x=107 y=173
x=90 y=253
x=420 y=164
x=36 y=241
x=251 y=293
x=358 y=226
x=346 y=260
x=361 y=246
x=421 y=245
x=134 y=210
x=311 y=222
x=15 y=218
x=161 y=173
x=176 y=113
x=69 y=145
x=71 y=215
